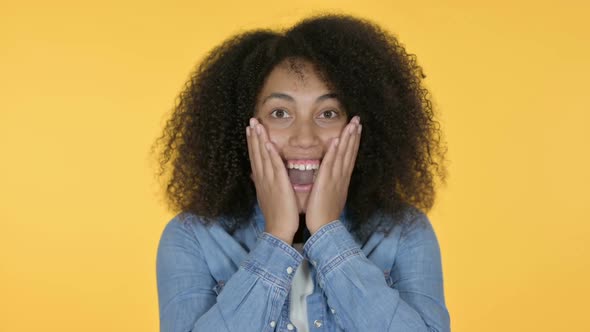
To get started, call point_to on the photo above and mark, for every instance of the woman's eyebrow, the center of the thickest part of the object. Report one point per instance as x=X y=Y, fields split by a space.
x=278 y=95
x=286 y=97
x=327 y=96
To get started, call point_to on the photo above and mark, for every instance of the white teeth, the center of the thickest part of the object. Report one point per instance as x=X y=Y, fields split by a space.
x=302 y=167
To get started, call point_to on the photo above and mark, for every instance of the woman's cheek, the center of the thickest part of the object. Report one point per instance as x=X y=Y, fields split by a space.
x=331 y=134
x=277 y=137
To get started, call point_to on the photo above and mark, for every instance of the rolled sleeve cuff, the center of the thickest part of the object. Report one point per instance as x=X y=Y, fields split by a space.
x=329 y=247
x=273 y=260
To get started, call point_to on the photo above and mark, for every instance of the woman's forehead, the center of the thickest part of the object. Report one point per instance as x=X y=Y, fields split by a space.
x=296 y=74
x=296 y=67
x=293 y=86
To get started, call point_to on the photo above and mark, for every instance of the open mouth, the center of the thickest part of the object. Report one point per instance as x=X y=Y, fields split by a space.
x=302 y=173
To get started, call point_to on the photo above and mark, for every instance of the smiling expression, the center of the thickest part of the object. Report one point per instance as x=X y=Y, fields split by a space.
x=301 y=115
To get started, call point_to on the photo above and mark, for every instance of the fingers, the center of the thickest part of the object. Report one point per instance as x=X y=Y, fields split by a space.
x=274 y=159
x=254 y=149
x=329 y=158
x=346 y=148
x=345 y=138
x=266 y=160
x=351 y=150
x=356 y=148
x=277 y=162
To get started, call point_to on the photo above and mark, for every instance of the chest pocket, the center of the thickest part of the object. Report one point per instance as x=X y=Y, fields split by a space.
x=222 y=262
x=221 y=274
x=219 y=287
x=384 y=254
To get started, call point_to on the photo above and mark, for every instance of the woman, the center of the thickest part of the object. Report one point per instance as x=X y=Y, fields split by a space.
x=300 y=162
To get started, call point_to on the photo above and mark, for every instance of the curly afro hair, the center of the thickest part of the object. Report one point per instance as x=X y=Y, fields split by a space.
x=203 y=147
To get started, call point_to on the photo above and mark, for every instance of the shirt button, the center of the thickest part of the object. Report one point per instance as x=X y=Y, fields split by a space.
x=290 y=327
x=313 y=263
x=273 y=323
x=332 y=310
x=317 y=323
x=289 y=270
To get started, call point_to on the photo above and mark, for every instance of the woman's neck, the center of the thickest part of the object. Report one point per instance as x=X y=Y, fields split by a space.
x=302 y=232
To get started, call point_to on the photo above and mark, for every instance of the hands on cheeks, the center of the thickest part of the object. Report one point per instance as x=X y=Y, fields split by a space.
x=328 y=195
x=275 y=193
x=273 y=188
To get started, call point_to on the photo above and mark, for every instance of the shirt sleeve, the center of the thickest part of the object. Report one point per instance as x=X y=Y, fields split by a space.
x=251 y=299
x=358 y=293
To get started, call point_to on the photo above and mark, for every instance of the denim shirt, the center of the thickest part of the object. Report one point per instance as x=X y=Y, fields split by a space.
x=211 y=280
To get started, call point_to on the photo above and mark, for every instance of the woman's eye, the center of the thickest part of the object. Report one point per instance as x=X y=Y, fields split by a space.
x=328 y=114
x=279 y=114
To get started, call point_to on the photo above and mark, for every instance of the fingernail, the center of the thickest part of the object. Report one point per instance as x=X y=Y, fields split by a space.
x=258 y=129
x=357 y=118
x=252 y=122
x=336 y=141
x=351 y=129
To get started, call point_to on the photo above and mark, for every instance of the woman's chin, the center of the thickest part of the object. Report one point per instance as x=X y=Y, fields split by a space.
x=302 y=198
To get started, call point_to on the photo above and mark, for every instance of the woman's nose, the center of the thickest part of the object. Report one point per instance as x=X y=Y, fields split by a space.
x=304 y=136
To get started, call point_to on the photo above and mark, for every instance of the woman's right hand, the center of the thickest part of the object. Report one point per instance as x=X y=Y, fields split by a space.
x=274 y=191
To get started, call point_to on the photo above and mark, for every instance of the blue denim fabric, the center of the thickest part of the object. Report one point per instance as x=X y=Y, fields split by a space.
x=209 y=280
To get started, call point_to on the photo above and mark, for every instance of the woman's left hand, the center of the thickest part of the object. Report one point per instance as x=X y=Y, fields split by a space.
x=328 y=195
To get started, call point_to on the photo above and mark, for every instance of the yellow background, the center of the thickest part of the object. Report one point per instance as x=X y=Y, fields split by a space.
x=85 y=88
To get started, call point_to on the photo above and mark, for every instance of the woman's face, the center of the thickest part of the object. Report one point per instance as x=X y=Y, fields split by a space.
x=301 y=115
